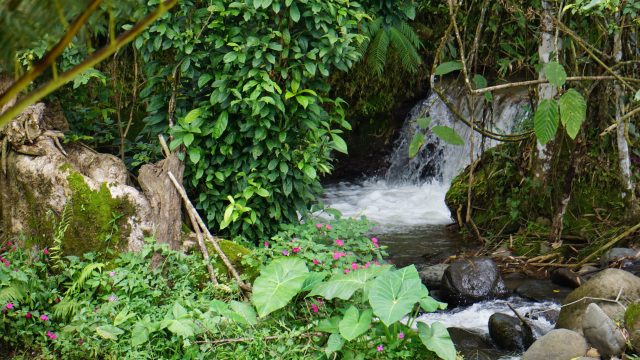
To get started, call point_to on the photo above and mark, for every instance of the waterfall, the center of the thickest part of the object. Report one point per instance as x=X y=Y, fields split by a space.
x=438 y=161
x=412 y=193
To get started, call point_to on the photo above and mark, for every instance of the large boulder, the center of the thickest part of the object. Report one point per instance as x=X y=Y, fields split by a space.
x=618 y=254
x=601 y=332
x=559 y=344
x=468 y=281
x=509 y=333
x=607 y=284
x=432 y=275
x=82 y=199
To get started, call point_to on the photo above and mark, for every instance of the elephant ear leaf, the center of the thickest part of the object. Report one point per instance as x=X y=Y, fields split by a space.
x=278 y=283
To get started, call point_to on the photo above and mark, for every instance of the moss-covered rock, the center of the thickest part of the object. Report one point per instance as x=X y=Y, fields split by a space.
x=632 y=324
x=236 y=253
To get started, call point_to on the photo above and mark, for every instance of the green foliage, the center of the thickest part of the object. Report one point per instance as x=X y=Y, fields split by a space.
x=448 y=67
x=437 y=339
x=256 y=74
x=573 y=111
x=445 y=133
x=545 y=120
x=448 y=135
x=277 y=284
x=555 y=73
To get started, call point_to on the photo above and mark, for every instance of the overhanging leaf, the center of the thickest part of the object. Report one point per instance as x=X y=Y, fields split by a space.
x=436 y=338
x=221 y=124
x=193 y=115
x=277 y=284
x=339 y=144
x=448 y=135
x=416 y=144
x=555 y=73
x=424 y=122
x=545 y=121
x=448 y=67
x=109 y=332
x=354 y=324
x=573 y=111
x=343 y=286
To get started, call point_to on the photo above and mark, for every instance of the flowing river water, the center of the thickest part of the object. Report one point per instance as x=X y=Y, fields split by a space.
x=408 y=206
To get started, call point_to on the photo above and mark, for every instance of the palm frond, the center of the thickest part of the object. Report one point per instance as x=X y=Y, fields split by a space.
x=406 y=51
x=377 y=52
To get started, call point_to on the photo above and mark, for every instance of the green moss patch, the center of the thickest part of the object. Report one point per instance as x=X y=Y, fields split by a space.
x=235 y=253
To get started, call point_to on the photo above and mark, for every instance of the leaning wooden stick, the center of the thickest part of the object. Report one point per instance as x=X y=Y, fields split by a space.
x=203 y=247
x=210 y=237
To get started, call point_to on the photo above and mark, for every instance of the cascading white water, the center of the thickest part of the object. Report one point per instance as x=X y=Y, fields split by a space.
x=413 y=190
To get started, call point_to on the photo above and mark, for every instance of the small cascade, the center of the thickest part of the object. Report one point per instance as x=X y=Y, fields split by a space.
x=438 y=161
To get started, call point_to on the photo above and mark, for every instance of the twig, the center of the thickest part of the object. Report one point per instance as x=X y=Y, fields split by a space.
x=210 y=238
x=95 y=58
x=522 y=319
x=616 y=300
x=625 y=118
x=610 y=243
x=249 y=339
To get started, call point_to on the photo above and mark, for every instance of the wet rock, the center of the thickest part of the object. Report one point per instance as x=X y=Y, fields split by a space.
x=509 y=333
x=607 y=284
x=566 y=277
x=617 y=254
x=601 y=332
x=482 y=354
x=432 y=275
x=559 y=344
x=587 y=272
x=632 y=324
x=542 y=290
x=468 y=281
x=469 y=339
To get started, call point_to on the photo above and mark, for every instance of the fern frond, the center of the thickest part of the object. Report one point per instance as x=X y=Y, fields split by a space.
x=16 y=292
x=84 y=275
x=406 y=51
x=408 y=32
x=377 y=52
x=66 y=308
x=55 y=252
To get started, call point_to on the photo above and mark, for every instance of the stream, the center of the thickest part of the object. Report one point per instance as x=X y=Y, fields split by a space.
x=408 y=209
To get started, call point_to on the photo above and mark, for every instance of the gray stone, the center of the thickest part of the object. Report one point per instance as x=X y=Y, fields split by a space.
x=468 y=281
x=617 y=254
x=566 y=277
x=509 y=333
x=432 y=275
x=468 y=339
x=559 y=344
x=605 y=285
x=542 y=290
x=601 y=332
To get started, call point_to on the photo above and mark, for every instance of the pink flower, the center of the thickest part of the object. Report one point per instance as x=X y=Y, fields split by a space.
x=346 y=271
x=319 y=300
x=337 y=255
x=28 y=315
x=296 y=249
x=44 y=317
x=45 y=251
x=374 y=240
x=339 y=242
x=266 y=244
x=328 y=227
x=367 y=264
x=10 y=306
x=316 y=262
x=401 y=335
x=285 y=252
x=354 y=266
x=314 y=308
x=112 y=298
x=112 y=273
x=318 y=226
x=51 y=335
x=7 y=263
x=380 y=348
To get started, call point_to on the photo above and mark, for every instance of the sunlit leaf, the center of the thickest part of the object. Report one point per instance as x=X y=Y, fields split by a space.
x=573 y=111
x=448 y=67
x=448 y=135
x=555 y=73
x=545 y=121
x=277 y=284
x=436 y=338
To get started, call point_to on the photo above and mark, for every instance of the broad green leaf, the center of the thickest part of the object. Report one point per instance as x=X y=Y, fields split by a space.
x=203 y=80
x=123 y=316
x=187 y=139
x=277 y=284
x=313 y=279
x=335 y=343
x=430 y=304
x=394 y=293
x=109 y=332
x=194 y=154
x=182 y=327
x=263 y=192
x=448 y=67
x=545 y=121
x=294 y=13
x=244 y=312
x=436 y=338
x=416 y=144
x=479 y=81
x=221 y=124
x=424 y=122
x=309 y=171
x=139 y=334
x=339 y=144
x=573 y=111
x=555 y=73
x=354 y=324
x=330 y=325
x=192 y=115
x=448 y=135
x=343 y=286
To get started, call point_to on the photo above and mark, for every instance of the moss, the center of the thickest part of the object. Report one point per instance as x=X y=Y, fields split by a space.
x=98 y=221
x=235 y=253
x=632 y=316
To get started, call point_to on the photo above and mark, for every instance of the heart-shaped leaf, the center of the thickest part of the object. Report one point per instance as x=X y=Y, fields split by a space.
x=278 y=283
x=394 y=293
x=354 y=324
x=436 y=338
